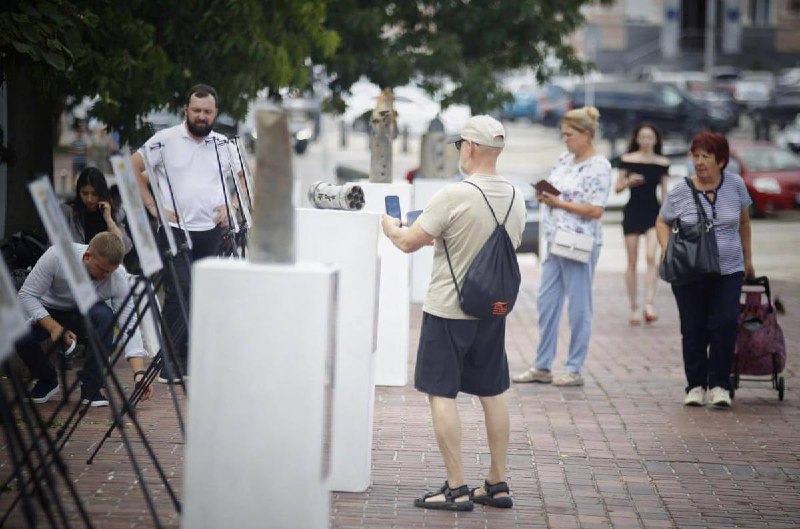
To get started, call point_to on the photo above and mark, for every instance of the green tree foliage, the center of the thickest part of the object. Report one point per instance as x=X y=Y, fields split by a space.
x=466 y=42
x=135 y=56
x=139 y=55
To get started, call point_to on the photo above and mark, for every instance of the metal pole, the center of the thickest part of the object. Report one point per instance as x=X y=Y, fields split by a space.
x=710 y=42
x=272 y=240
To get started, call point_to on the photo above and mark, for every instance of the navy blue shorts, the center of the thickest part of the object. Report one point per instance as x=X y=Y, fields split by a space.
x=461 y=355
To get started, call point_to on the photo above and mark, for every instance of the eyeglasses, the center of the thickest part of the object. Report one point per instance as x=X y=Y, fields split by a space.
x=458 y=143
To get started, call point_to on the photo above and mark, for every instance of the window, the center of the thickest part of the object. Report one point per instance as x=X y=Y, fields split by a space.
x=761 y=13
x=637 y=11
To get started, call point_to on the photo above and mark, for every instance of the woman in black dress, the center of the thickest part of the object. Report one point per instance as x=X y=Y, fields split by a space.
x=642 y=170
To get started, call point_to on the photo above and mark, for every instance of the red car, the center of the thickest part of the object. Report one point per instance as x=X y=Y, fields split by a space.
x=771 y=174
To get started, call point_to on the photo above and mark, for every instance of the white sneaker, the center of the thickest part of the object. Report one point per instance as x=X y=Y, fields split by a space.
x=534 y=375
x=569 y=379
x=695 y=397
x=719 y=397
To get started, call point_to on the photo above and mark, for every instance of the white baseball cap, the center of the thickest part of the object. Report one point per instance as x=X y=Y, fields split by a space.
x=483 y=130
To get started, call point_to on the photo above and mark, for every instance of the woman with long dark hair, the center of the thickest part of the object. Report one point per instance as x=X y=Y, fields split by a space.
x=92 y=211
x=642 y=170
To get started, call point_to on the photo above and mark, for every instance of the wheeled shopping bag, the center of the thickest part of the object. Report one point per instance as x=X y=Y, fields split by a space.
x=760 y=345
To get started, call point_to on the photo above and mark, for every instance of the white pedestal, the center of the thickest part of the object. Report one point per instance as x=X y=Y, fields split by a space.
x=391 y=362
x=350 y=241
x=422 y=260
x=258 y=435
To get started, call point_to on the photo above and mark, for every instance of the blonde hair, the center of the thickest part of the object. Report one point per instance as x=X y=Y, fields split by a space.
x=108 y=246
x=583 y=119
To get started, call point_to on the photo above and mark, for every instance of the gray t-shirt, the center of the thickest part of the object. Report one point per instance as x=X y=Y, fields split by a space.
x=459 y=214
x=724 y=213
x=47 y=286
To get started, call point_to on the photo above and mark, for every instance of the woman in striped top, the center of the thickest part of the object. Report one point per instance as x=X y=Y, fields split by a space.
x=709 y=308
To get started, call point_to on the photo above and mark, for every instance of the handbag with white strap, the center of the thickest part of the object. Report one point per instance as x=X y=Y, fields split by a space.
x=572 y=245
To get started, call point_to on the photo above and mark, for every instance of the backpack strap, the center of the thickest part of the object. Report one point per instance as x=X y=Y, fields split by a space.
x=444 y=242
x=701 y=213
x=513 y=195
x=452 y=273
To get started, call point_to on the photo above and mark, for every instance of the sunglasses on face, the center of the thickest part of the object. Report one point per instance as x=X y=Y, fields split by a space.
x=458 y=143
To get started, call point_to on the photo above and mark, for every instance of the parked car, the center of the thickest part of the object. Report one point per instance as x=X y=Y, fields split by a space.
x=784 y=105
x=752 y=93
x=525 y=104
x=686 y=79
x=771 y=174
x=623 y=104
x=789 y=137
x=554 y=102
x=726 y=76
x=788 y=77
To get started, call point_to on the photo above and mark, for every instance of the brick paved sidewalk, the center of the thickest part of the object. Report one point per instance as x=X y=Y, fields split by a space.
x=620 y=452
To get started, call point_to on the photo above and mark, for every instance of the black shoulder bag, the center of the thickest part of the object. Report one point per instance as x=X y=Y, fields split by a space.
x=492 y=281
x=692 y=252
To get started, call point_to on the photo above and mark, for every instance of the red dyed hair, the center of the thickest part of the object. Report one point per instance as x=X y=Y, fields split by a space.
x=714 y=143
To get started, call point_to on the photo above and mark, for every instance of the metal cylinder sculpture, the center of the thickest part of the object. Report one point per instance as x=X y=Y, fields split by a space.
x=324 y=195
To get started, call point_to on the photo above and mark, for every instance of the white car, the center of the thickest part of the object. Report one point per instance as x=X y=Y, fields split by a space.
x=415 y=109
x=789 y=137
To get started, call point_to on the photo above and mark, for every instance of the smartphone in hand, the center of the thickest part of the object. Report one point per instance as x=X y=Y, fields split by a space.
x=393 y=206
x=412 y=216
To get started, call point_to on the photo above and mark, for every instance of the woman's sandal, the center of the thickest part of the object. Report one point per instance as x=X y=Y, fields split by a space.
x=449 y=503
x=503 y=502
x=649 y=316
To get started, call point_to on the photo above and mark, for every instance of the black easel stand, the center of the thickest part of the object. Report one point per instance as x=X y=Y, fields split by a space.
x=43 y=488
x=150 y=375
x=117 y=410
x=106 y=366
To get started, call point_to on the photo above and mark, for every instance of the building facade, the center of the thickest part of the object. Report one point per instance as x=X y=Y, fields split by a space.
x=750 y=34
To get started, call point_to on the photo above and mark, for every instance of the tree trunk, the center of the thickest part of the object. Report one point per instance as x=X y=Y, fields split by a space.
x=31 y=129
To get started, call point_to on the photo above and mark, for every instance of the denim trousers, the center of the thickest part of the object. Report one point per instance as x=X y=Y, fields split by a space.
x=709 y=312
x=565 y=279
x=30 y=350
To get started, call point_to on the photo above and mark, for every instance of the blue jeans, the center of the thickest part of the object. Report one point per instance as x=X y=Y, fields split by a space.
x=30 y=350
x=564 y=278
x=709 y=313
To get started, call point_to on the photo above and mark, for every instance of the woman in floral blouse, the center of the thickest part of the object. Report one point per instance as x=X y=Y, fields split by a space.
x=584 y=179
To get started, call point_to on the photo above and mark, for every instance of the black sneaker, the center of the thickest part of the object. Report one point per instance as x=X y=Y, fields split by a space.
x=95 y=401
x=43 y=391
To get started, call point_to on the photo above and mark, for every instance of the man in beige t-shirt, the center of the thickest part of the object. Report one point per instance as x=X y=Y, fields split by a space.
x=456 y=351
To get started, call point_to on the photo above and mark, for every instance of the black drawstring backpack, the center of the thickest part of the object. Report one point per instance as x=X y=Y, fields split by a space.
x=491 y=284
